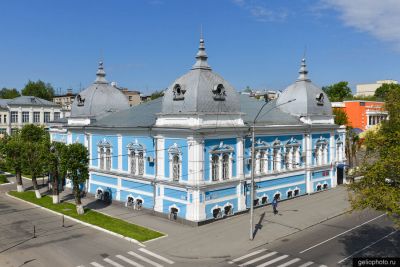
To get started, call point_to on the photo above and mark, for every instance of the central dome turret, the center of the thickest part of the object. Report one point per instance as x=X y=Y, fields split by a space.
x=200 y=91
x=99 y=99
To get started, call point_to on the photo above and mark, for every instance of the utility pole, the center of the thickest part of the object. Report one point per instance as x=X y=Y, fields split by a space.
x=253 y=141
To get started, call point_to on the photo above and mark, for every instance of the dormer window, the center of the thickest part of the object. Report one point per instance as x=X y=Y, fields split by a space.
x=179 y=92
x=219 y=92
x=320 y=99
x=81 y=101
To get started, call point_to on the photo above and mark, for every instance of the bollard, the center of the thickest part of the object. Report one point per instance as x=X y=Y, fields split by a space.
x=63 y=221
x=34 y=232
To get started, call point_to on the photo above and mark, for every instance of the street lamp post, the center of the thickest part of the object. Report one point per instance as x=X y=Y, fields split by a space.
x=253 y=162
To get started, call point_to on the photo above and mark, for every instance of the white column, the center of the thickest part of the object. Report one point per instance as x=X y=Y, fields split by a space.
x=120 y=152
x=192 y=161
x=239 y=158
x=241 y=196
x=159 y=198
x=308 y=163
x=160 y=156
x=332 y=159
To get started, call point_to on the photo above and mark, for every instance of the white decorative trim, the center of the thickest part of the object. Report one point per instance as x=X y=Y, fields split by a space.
x=278 y=187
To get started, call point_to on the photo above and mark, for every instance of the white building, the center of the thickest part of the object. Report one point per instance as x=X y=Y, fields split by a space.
x=368 y=89
x=15 y=113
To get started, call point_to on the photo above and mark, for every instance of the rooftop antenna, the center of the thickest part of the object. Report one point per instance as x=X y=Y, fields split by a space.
x=305 y=51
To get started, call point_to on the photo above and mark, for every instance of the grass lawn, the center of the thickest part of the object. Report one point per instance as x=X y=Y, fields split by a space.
x=3 y=179
x=112 y=224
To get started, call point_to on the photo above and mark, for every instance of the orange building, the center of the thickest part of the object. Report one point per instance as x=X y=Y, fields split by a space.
x=362 y=114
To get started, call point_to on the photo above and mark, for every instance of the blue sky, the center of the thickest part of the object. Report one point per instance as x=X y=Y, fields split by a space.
x=147 y=44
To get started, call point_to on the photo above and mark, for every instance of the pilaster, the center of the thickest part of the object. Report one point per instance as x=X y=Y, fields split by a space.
x=308 y=144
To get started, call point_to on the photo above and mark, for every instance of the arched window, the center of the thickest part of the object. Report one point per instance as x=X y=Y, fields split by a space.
x=292 y=154
x=101 y=152
x=276 y=159
x=136 y=158
x=214 y=167
x=176 y=168
x=339 y=149
x=175 y=162
x=321 y=152
x=141 y=163
x=132 y=162
x=296 y=157
x=108 y=159
x=105 y=151
x=220 y=160
x=225 y=166
x=263 y=161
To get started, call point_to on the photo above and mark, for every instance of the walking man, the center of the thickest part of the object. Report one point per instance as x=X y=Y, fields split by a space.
x=275 y=204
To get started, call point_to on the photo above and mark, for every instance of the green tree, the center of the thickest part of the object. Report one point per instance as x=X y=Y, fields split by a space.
x=39 y=89
x=247 y=89
x=380 y=187
x=6 y=93
x=382 y=91
x=57 y=172
x=12 y=148
x=36 y=143
x=337 y=92
x=156 y=95
x=74 y=162
x=340 y=116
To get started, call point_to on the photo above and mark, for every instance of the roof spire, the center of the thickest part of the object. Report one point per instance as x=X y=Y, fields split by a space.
x=303 y=71
x=201 y=56
x=100 y=74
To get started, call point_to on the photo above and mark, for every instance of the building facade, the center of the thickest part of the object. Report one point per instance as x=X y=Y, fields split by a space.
x=187 y=154
x=65 y=101
x=363 y=114
x=17 y=112
x=368 y=89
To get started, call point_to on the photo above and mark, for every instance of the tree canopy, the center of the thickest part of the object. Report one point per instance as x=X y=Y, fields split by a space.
x=380 y=187
x=7 y=93
x=39 y=89
x=340 y=116
x=337 y=92
x=156 y=95
x=12 y=149
x=382 y=91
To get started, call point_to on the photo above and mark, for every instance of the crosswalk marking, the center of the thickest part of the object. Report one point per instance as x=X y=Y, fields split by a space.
x=323 y=266
x=258 y=259
x=273 y=261
x=113 y=263
x=95 y=264
x=306 y=264
x=144 y=259
x=156 y=256
x=289 y=262
x=131 y=262
x=247 y=255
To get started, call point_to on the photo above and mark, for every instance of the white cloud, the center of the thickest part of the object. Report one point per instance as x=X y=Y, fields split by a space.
x=259 y=11
x=380 y=18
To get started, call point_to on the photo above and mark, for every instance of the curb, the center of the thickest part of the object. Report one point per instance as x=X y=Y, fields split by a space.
x=131 y=240
x=7 y=183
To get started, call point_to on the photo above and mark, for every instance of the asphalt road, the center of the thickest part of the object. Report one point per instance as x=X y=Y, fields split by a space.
x=335 y=242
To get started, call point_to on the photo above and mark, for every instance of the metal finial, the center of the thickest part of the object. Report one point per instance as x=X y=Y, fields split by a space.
x=100 y=74
x=303 y=71
x=201 y=56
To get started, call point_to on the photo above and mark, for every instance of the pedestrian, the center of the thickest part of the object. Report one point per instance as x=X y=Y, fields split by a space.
x=275 y=204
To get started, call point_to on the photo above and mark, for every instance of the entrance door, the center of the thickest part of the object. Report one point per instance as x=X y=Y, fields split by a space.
x=339 y=174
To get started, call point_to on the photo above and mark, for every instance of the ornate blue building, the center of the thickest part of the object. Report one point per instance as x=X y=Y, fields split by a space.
x=189 y=153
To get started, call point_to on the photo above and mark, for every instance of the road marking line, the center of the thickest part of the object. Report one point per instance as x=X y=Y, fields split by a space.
x=259 y=258
x=289 y=262
x=273 y=261
x=144 y=259
x=358 y=251
x=156 y=255
x=323 y=242
x=95 y=264
x=113 y=263
x=78 y=265
x=131 y=262
x=307 y=264
x=323 y=266
x=247 y=255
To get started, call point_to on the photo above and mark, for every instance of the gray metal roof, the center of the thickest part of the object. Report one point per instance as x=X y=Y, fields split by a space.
x=30 y=101
x=143 y=115
x=99 y=99
x=270 y=114
x=3 y=103
x=310 y=99
x=201 y=91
